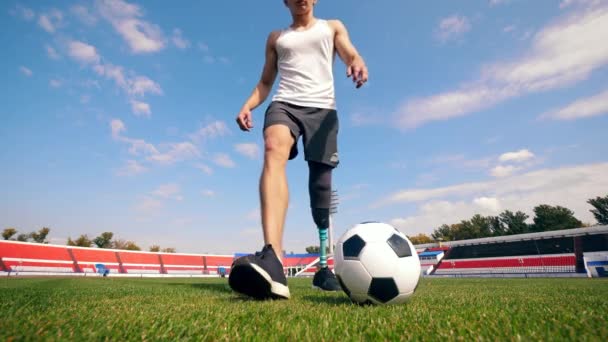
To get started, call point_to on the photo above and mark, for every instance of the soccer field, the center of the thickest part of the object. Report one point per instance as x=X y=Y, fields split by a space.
x=205 y=309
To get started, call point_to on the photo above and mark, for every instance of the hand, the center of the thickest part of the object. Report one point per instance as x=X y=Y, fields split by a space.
x=244 y=119
x=358 y=71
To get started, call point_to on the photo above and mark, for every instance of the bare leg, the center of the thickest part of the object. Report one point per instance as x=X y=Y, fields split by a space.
x=274 y=193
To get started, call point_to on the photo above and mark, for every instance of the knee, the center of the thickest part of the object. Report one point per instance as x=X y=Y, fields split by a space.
x=276 y=149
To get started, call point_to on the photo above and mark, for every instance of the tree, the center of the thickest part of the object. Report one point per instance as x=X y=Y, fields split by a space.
x=444 y=233
x=515 y=223
x=128 y=245
x=313 y=249
x=23 y=237
x=8 y=233
x=104 y=240
x=40 y=236
x=420 y=239
x=82 y=241
x=155 y=248
x=496 y=226
x=168 y=250
x=131 y=246
x=601 y=209
x=554 y=218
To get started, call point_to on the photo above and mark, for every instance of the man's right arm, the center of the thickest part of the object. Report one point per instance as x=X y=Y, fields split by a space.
x=269 y=74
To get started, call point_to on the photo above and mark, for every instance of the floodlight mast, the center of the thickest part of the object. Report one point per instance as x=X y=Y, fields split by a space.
x=332 y=210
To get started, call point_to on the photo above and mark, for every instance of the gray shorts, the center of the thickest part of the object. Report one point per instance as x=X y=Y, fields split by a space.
x=317 y=126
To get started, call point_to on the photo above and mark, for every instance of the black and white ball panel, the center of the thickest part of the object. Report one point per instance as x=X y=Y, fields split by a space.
x=355 y=276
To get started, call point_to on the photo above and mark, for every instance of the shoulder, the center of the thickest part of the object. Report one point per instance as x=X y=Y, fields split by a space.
x=336 y=24
x=272 y=37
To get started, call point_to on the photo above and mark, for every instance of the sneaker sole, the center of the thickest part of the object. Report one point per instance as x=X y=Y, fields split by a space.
x=315 y=287
x=253 y=281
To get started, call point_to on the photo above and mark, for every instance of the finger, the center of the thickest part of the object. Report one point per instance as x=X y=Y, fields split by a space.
x=358 y=74
x=241 y=123
x=349 y=71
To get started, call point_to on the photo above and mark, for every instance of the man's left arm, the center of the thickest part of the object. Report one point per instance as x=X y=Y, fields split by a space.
x=355 y=65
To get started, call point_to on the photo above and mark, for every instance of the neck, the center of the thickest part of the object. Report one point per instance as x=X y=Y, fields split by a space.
x=303 y=20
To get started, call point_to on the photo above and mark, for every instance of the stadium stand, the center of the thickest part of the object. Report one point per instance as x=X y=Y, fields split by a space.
x=553 y=252
x=581 y=251
x=140 y=262
x=184 y=264
x=87 y=258
x=213 y=262
x=429 y=259
x=26 y=257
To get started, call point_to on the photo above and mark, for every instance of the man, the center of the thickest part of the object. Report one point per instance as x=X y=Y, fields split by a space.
x=303 y=106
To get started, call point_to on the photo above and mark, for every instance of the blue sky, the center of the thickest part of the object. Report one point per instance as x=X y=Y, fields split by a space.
x=119 y=116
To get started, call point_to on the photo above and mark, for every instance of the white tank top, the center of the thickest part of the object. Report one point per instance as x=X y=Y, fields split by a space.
x=305 y=65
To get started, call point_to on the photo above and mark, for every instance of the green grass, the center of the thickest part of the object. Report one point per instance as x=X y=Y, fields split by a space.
x=84 y=309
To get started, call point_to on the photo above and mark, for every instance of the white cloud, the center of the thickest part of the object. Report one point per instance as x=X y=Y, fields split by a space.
x=83 y=52
x=498 y=2
x=26 y=71
x=24 y=12
x=224 y=160
x=501 y=171
x=565 y=186
x=131 y=168
x=488 y=203
x=117 y=127
x=173 y=152
x=208 y=193
x=534 y=181
x=203 y=47
x=140 y=108
x=136 y=85
x=82 y=13
x=113 y=72
x=569 y=3
x=168 y=191
x=176 y=152
x=558 y=57
x=366 y=117
x=140 y=146
x=215 y=129
x=206 y=169
x=149 y=206
x=179 y=40
x=55 y=83
x=452 y=27
x=508 y=29
x=140 y=85
x=140 y=35
x=249 y=150
x=460 y=161
x=50 y=21
x=517 y=157
x=51 y=52
x=584 y=108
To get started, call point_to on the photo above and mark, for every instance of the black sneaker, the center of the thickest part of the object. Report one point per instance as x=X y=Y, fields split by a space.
x=326 y=280
x=259 y=275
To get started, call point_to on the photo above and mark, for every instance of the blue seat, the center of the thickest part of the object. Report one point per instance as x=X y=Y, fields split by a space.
x=101 y=269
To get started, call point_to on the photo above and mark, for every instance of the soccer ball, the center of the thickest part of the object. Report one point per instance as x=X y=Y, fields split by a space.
x=375 y=263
